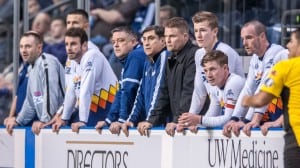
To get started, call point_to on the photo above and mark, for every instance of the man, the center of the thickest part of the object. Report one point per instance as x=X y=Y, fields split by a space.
x=93 y=87
x=284 y=81
x=122 y=13
x=264 y=56
x=19 y=99
x=153 y=76
x=41 y=24
x=57 y=46
x=166 y=12
x=132 y=56
x=42 y=98
x=206 y=31
x=223 y=91
x=176 y=91
x=79 y=18
x=76 y=18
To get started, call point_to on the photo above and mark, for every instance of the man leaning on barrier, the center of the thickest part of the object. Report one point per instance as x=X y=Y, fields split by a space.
x=284 y=80
x=175 y=94
x=264 y=56
x=45 y=89
x=153 y=76
x=223 y=89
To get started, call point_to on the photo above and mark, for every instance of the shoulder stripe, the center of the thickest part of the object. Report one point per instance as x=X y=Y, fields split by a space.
x=130 y=80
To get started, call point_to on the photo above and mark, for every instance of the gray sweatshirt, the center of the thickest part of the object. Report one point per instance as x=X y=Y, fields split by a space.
x=36 y=98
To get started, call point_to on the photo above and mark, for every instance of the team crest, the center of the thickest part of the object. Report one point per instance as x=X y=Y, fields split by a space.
x=230 y=93
x=269 y=82
x=269 y=63
x=89 y=66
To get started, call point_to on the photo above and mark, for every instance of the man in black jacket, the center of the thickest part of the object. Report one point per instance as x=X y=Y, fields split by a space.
x=175 y=94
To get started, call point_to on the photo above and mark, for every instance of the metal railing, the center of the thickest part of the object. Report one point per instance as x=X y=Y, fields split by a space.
x=287 y=24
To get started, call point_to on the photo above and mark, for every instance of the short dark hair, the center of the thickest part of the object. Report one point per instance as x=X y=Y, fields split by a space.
x=80 y=12
x=167 y=8
x=77 y=32
x=125 y=29
x=210 y=17
x=159 y=30
x=60 y=19
x=178 y=22
x=35 y=34
x=215 y=55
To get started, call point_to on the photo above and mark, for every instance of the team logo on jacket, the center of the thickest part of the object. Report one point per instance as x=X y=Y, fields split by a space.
x=269 y=63
x=153 y=73
x=37 y=93
x=76 y=81
x=269 y=82
x=229 y=93
x=68 y=67
x=258 y=77
x=37 y=97
x=67 y=70
x=89 y=66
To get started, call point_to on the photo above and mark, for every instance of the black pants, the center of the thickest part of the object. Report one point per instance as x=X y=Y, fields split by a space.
x=291 y=152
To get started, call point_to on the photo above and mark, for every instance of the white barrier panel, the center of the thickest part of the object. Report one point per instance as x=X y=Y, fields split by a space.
x=12 y=148
x=89 y=149
x=207 y=148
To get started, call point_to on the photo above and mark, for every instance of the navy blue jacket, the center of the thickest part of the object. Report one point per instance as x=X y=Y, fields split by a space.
x=148 y=91
x=131 y=75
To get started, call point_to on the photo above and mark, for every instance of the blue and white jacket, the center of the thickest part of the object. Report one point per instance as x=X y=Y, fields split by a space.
x=131 y=75
x=147 y=94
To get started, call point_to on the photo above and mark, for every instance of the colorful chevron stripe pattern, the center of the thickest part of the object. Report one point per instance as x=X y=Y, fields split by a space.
x=105 y=96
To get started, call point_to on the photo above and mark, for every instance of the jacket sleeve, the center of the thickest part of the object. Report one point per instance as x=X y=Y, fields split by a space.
x=281 y=55
x=87 y=87
x=70 y=97
x=124 y=100
x=56 y=85
x=199 y=92
x=138 y=110
x=187 y=87
x=132 y=75
x=27 y=112
x=231 y=93
x=248 y=89
x=162 y=108
x=113 y=114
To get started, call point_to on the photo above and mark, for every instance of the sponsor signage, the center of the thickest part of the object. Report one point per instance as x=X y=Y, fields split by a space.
x=90 y=149
x=209 y=148
x=12 y=148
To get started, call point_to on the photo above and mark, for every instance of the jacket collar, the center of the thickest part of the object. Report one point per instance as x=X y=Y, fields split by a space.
x=155 y=57
x=180 y=55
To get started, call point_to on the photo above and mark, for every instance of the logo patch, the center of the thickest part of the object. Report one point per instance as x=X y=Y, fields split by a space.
x=229 y=93
x=269 y=82
x=37 y=97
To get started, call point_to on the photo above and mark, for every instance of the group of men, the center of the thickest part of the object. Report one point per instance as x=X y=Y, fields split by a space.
x=165 y=80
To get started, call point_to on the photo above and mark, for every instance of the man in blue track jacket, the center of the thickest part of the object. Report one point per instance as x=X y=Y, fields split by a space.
x=154 y=46
x=175 y=94
x=132 y=57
